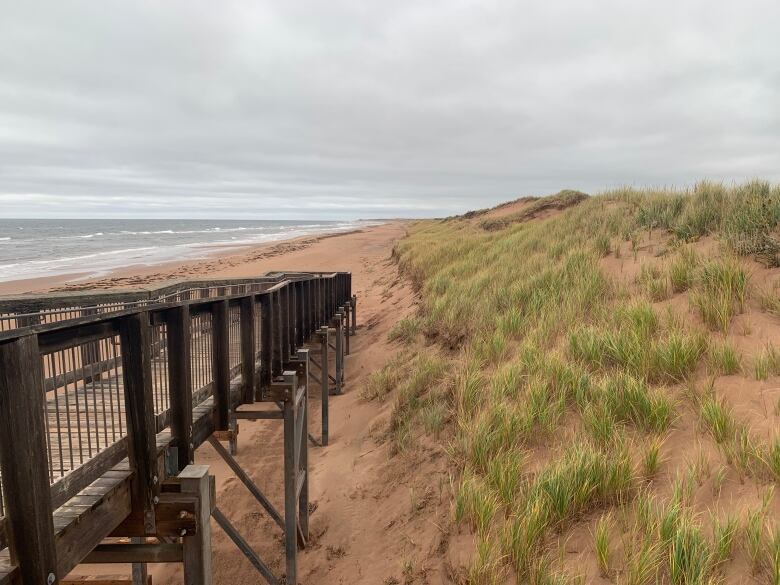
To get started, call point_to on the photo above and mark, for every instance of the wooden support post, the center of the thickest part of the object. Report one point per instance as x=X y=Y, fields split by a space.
x=290 y=479
x=276 y=317
x=347 y=307
x=139 y=571
x=354 y=314
x=135 y=336
x=284 y=300
x=350 y=296
x=331 y=298
x=29 y=526
x=324 y=344
x=197 y=548
x=321 y=301
x=248 y=349
x=292 y=318
x=308 y=325
x=300 y=313
x=178 y=328
x=220 y=327
x=302 y=447
x=339 y=319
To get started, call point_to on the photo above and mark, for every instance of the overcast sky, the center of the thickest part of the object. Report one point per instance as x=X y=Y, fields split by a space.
x=343 y=109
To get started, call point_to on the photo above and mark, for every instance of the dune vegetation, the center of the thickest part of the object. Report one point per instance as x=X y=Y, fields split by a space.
x=604 y=378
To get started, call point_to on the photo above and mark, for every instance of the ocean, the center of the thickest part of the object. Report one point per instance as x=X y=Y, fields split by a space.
x=32 y=248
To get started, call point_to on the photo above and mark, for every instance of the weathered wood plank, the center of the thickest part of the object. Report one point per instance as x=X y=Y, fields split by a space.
x=197 y=549
x=180 y=382
x=248 y=349
x=23 y=439
x=220 y=324
x=141 y=425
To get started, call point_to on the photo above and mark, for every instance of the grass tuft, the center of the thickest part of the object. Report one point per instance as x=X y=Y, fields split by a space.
x=406 y=330
x=723 y=359
x=601 y=544
x=767 y=363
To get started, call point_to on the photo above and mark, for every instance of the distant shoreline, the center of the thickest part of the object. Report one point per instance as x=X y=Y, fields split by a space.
x=229 y=262
x=40 y=258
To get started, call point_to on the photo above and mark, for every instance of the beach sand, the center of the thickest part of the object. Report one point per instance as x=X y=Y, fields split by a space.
x=371 y=513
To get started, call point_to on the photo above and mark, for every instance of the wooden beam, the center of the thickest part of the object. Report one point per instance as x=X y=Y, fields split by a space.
x=23 y=462
x=102 y=580
x=136 y=553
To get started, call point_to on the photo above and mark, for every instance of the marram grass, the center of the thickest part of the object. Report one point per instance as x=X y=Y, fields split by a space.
x=554 y=384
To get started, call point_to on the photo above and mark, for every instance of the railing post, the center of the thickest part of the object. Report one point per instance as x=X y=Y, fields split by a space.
x=285 y=322
x=136 y=339
x=266 y=341
x=139 y=571
x=331 y=298
x=29 y=529
x=354 y=314
x=339 y=375
x=300 y=313
x=248 y=349
x=179 y=338
x=308 y=326
x=197 y=548
x=347 y=310
x=220 y=327
x=324 y=380
x=302 y=447
x=292 y=318
x=276 y=317
x=290 y=479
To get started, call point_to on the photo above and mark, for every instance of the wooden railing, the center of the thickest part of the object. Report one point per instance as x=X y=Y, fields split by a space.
x=91 y=382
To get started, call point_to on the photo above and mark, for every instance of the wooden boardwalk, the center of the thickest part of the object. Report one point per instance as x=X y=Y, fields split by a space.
x=103 y=414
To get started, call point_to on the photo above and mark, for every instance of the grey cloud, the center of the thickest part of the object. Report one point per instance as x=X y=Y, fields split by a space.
x=366 y=109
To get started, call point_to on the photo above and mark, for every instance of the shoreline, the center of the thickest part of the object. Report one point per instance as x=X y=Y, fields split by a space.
x=239 y=261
